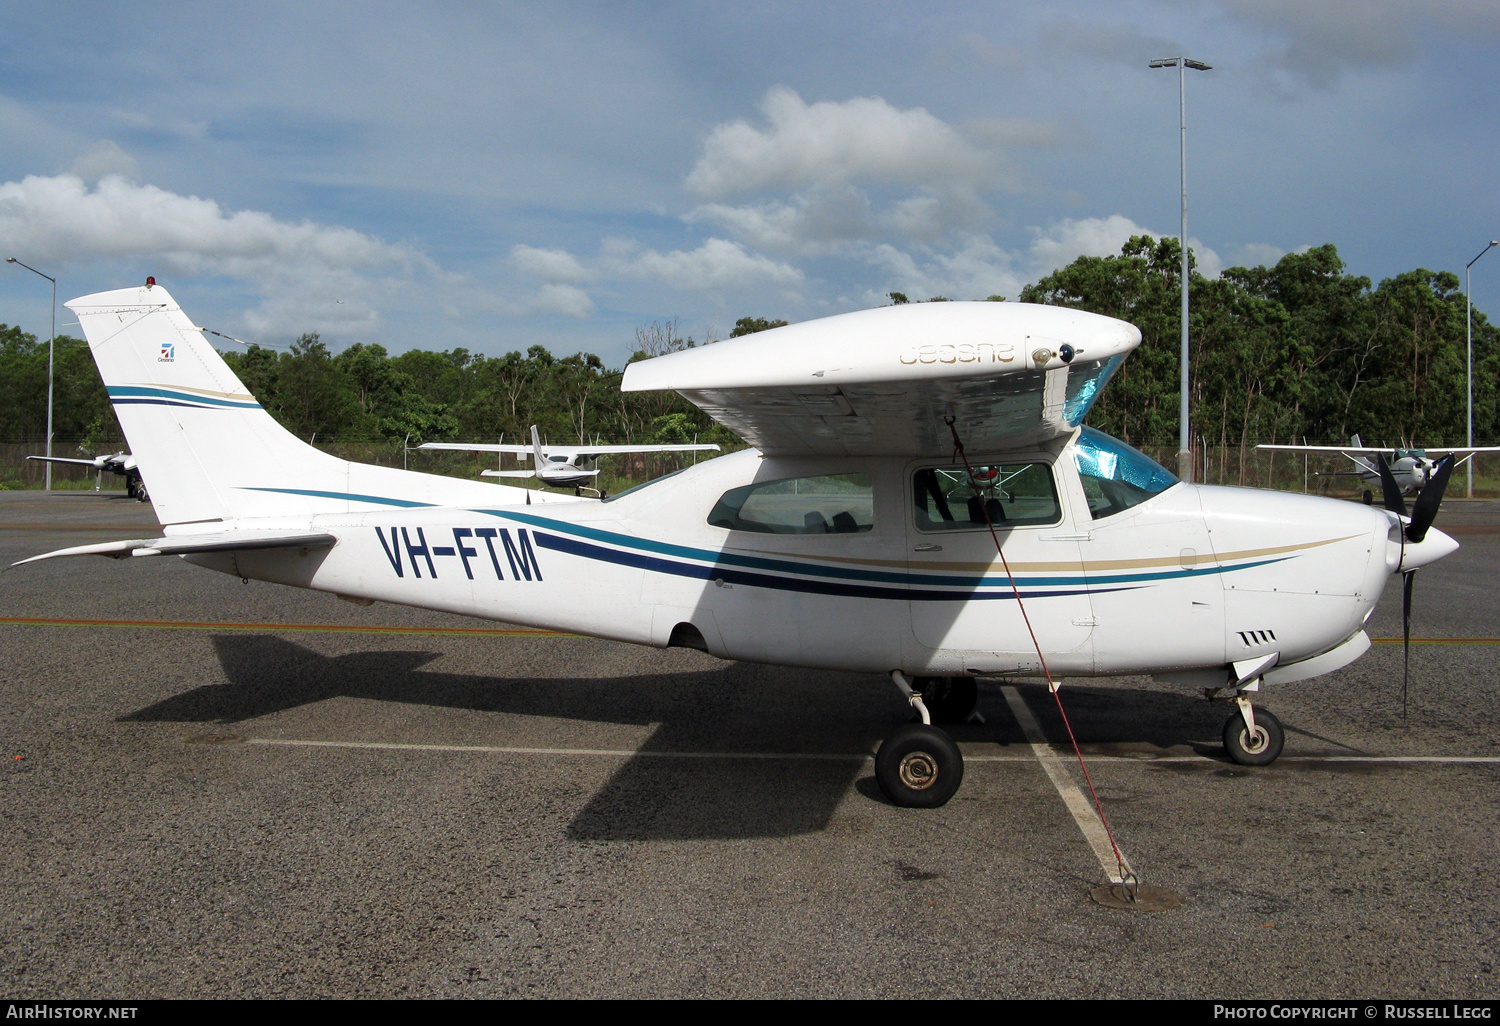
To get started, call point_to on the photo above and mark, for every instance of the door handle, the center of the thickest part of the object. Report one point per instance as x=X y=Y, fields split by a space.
x=928 y=547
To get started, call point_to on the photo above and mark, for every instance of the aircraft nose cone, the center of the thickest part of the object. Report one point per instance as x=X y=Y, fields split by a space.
x=1429 y=550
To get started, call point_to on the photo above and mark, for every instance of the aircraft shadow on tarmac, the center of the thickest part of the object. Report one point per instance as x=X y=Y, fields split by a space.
x=738 y=707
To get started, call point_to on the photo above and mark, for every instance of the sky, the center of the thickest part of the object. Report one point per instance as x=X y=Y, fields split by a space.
x=493 y=176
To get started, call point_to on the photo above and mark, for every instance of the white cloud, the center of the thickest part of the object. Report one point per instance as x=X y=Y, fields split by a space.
x=310 y=276
x=61 y=219
x=718 y=263
x=974 y=270
x=568 y=300
x=1067 y=240
x=105 y=158
x=1256 y=254
x=810 y=222
x=552 y=265
x=851 y=173
x=832 y=143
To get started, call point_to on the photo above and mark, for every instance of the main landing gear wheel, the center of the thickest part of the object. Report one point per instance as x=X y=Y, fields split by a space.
x=919 y=767
x=1259 y=749
x=948 y=699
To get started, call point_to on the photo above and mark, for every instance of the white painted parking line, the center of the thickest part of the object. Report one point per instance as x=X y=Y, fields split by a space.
x=633 y=753
x=1083 y=813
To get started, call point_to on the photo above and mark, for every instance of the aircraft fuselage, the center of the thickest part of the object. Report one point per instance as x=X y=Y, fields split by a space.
x=865 y=564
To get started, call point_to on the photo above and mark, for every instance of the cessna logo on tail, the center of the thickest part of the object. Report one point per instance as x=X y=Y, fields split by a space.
x=519 y=555
x=168 y=352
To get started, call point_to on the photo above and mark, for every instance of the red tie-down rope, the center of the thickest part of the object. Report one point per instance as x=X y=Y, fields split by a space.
x=958 y=451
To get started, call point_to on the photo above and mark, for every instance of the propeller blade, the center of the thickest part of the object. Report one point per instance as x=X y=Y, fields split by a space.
x=1390 y=491
x=1406 y=582
x=1425 y=509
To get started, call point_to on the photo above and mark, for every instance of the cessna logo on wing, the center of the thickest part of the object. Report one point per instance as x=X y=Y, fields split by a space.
x=964 y=352
x=412 y=543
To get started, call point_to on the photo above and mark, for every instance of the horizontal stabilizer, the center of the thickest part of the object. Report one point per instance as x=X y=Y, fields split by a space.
x=506 y=473
x=182 y=545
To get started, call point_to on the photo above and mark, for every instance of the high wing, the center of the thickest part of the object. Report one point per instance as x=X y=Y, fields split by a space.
x=476 y=447
x=587 y=451
x=183 y=545
x=1381 y=449
x=571 y=452
x=887 y=381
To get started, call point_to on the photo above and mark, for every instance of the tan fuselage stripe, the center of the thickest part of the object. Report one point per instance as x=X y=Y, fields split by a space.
x=1075 y=566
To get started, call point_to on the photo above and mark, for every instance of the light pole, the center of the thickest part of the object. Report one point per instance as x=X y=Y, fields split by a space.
x=1469 y=325
x=50 y=344
x=1184 y=446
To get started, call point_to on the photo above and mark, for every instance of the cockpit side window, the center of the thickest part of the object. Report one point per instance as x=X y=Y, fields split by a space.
x=953 y=499
x=1116 y=476
x=830 y=504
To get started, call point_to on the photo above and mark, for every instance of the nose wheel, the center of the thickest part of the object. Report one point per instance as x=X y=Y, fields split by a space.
x=1253 y=738
x=919 y=767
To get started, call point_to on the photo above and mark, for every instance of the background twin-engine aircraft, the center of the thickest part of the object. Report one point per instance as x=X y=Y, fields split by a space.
x=922 y=502
x=557 y=465
x=121 y=463
x=1411 y=469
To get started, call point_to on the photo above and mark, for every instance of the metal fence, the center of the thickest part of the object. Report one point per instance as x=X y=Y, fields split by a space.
x=1316 y=473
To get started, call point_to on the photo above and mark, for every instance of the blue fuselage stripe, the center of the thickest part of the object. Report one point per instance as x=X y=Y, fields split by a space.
x=914 y=580
x=730 y=575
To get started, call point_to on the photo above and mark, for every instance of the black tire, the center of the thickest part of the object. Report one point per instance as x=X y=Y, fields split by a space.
x=919 y=767
x=1369 y=497
x=1263 y=749
x=948 y=699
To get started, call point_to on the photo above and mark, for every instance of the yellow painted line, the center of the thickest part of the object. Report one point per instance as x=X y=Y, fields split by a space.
x=318 y=628
x=1437 y=641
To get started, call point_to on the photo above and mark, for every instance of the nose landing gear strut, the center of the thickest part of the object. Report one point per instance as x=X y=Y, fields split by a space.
x=919 y=766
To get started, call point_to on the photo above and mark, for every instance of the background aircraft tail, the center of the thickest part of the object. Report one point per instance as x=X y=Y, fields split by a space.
x=536 y=449
x=207 y=449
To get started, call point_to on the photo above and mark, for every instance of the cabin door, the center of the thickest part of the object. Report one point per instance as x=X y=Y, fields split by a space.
x=964 y=610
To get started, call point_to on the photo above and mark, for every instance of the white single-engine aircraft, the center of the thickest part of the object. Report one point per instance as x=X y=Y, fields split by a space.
x=1411 y=469
x=559 y=466
x=121 y=463
x=855 y=537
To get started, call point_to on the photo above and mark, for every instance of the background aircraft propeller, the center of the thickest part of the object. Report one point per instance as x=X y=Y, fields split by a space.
x=1423 y=512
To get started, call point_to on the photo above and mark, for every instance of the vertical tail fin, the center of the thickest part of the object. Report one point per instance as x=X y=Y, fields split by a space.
x=537 y=455
x=192 y=425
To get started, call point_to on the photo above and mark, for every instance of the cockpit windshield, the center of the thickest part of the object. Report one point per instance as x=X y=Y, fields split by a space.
x=1116 y=476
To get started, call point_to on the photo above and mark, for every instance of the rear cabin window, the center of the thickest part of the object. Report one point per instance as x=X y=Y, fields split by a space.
x=831 y=504
x=951 y=499
x=1116 y=476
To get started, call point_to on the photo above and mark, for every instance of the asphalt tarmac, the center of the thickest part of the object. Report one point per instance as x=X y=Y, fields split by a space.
x=301 y=797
